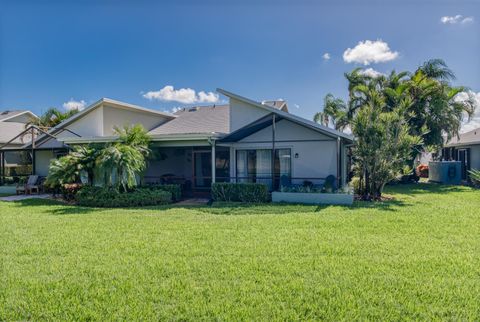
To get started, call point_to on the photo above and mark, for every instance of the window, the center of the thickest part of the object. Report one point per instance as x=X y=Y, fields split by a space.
x=256 y=166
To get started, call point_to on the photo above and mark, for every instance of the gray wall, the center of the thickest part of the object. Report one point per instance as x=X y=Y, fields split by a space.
x=475 y=156
x=42 y=162
x=242 y=114
x=317 y=153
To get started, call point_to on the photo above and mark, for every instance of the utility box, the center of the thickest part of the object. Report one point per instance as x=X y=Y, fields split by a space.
x=447 y=172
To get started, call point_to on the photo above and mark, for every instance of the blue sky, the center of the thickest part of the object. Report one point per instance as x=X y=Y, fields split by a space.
x=53 y=52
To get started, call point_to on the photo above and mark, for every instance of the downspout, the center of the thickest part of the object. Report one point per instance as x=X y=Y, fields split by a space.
x=2 y=167
x=33 y=150
x=273 y=150
x=212 y=142
x=338 y=163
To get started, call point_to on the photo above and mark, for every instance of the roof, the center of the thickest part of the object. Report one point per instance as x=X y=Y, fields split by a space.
x=468 y=138
x=291 y=117
x=112 y=102
x=97 y=104
x=8 y=130
x=20 y=116
x=199 y=119
x=12 y=123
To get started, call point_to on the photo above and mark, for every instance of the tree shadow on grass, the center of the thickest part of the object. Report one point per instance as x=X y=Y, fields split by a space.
x=423 y=188
x=55 y=207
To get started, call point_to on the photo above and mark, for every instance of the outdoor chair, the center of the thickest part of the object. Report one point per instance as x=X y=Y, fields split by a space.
x=28 y=187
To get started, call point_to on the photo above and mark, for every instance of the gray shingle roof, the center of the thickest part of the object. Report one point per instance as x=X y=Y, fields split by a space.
x=468 y=138
x=8 y=114
x=201 y=119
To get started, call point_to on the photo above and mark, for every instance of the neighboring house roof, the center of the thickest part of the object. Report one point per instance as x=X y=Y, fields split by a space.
x=468 y=138
x=199 y=119
x=291 y=117
x=12 y=123
x=279 y=104
x=20 y=116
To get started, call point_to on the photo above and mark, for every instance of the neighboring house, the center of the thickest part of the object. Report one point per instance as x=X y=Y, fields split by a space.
x=199 y=145
x=12 y=124
x=466 y=149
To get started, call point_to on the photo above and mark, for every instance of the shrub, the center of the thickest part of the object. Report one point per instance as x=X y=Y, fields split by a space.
x=110 y=197
x=422 y=171
x=174 y=189
x=357 y=185
x=70 y=190
x=475 y=177
x=244 y=192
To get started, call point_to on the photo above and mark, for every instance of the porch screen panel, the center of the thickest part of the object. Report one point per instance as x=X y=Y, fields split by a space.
x=242 y=166
x=284 y=160
x=264 y=167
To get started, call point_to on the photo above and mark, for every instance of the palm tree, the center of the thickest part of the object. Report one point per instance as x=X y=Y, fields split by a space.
x=120 y=163
x=51 y=118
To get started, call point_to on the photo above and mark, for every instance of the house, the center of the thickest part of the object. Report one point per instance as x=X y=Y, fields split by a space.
x=466 y=149
x=15 y=161
x=242 y=141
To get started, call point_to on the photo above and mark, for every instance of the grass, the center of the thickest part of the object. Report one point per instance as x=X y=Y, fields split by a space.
x=416 y=257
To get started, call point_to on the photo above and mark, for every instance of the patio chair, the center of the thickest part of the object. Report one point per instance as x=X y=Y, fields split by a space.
x=29 y=186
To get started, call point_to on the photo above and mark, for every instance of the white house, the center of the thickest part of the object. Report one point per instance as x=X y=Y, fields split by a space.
x=243 y=141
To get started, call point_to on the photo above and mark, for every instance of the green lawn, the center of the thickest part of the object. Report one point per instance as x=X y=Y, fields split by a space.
x=417 y=257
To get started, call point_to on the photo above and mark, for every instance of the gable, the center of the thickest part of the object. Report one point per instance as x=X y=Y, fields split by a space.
x=117 y=116
x=242 y=113
x=286 y=130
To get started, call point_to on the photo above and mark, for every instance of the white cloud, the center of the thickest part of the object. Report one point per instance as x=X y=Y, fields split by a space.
x=452 y=20
x=74 y=105
x=474 y=122
x=368 y=51
x=182 y=95
x=326 y=56
x=371 y=73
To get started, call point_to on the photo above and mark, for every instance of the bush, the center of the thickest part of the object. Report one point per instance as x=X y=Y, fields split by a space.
x=422 y=171
x=174 y=189
x=475 y=177
x=109 y=197
x=244 y=192
x=70 y=190
x=357 y=185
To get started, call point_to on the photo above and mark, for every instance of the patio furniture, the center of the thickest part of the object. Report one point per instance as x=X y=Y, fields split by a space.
x=28 y=187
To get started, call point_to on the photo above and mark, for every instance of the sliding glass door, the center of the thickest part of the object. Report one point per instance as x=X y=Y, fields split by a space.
x=256 y=166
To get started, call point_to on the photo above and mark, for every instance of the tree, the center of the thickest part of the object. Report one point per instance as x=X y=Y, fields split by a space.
x=51 y=118
x=120 y=163
x=117 y=164
x=383 y=142
x=428 y=104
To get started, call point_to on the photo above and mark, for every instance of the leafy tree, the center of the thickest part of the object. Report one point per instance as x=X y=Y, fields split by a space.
x=51 y=118
x=427 y=101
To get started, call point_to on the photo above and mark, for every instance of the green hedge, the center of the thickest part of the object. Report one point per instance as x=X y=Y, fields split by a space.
x=174 y=189
x=107 y=197
x=244 y=192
